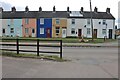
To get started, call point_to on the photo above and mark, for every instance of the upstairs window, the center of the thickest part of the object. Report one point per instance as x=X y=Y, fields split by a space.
x=73 y=21
x=104 y=22
x=88 y=21
x=26 y=21
x=42 y=21
x=57 y=21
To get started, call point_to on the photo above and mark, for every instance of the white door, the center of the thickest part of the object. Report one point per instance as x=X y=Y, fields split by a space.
x=33 y=32
x=63 y=33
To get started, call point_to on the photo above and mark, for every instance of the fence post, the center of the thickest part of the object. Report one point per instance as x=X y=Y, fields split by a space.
x=17 y=46
x=61 y=49
x=37 y=47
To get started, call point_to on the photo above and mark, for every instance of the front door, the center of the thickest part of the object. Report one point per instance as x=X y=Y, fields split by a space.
x=110 y=33
x=79 y=33
x=95 y=33
x=48 y=33
x=63 y=33
x=33 y=32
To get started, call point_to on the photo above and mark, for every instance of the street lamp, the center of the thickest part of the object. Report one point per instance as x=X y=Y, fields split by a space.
x=91 y=21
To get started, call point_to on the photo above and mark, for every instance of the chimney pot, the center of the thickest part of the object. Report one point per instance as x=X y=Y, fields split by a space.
x=68 y=10
x=108 y=10
x=81 y=9
x=40 y=9
x=54 y=9
x=26 y=9
x=95 y=10
x=1 y=9
x=13 y=9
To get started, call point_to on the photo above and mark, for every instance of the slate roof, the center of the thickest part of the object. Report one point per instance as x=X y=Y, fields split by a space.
x=51 y=14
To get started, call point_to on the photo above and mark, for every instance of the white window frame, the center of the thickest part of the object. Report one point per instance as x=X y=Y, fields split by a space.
x=88 y=31
x=11 y=30
x=88 y=21
x=41 y=20
x=57 y=29
x=73 y=21
x=26 y=30
x=72 y=30
x=104 y=31
x=26 y=21
x=57 y=21
x=41 y=30
x=104 y=22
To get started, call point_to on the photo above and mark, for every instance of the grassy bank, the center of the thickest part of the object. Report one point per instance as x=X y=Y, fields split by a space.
x=41 y=56
x=64 y=40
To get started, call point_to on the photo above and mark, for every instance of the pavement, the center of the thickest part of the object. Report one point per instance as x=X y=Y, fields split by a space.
x=106 y=44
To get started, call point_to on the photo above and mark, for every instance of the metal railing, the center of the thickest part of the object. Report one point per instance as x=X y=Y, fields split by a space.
x=18 y=50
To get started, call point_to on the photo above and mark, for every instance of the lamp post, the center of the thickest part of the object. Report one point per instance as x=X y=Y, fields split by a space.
x=91 y=20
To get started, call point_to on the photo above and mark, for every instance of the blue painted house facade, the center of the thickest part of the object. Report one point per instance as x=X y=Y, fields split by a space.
x=44 y=27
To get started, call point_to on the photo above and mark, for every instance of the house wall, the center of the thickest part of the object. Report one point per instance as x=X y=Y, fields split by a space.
x=16 y=25
x=82 y=24
x=31 y=25
x=79 y=24
x=62 y=25
x=47 y=24
x=5 y=26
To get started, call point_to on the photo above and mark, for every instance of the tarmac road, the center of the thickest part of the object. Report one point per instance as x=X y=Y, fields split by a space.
x=85 y=63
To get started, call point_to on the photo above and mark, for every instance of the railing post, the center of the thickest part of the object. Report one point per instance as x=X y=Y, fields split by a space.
x=17 y=46
x=61 y=49
x=37 y=47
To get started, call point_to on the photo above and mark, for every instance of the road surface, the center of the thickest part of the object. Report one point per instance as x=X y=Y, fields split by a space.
x=85 y=63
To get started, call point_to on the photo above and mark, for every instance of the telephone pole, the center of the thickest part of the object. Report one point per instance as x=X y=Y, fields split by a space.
x=91 y=21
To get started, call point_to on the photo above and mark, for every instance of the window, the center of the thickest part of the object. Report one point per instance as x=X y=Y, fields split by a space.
x=57 y=21
x=73 y=31
x=99 y=22
x=73 y=21
x=41 y=30
x=33 y=30
x=3 y=31
x=104 y=22
x=88 y=21
x=41 y=21
x=26 y=21
x=12 y=30
x=88 y=30
x=57 y=30
x=26 y=30
x=104 y=31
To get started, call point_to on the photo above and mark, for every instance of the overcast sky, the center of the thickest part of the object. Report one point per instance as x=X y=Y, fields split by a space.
x=61 y=5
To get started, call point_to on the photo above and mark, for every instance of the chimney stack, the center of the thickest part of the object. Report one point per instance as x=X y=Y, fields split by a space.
x=26 y=9
x=54 y=9
x=40 y=9
x=95 y=9
x=68 y=9
x=1 y=9
x=13 y=9
x=81 y=9
x=108 y=10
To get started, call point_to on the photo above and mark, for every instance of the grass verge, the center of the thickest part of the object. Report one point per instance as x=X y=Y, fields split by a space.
x=41 y=56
